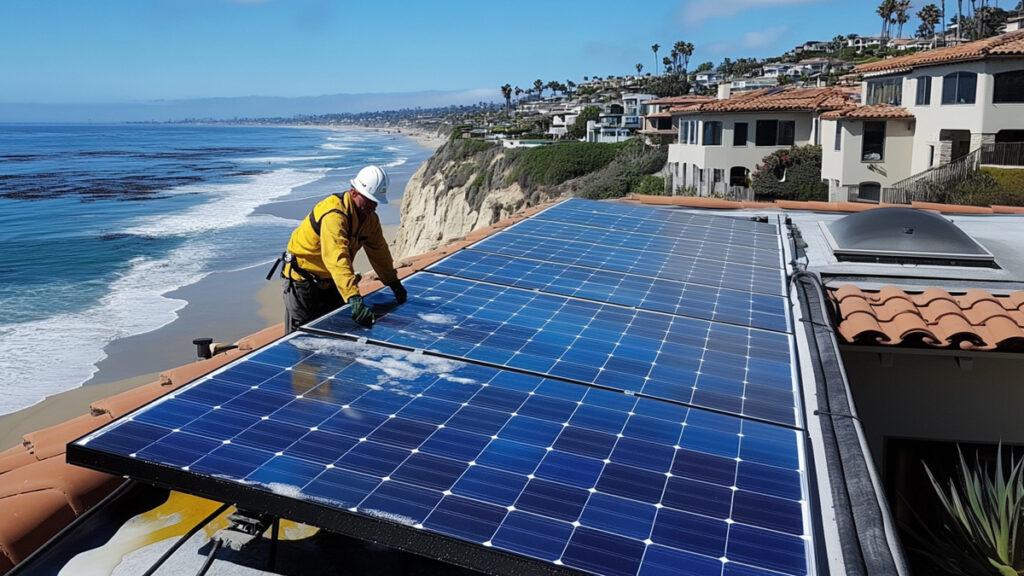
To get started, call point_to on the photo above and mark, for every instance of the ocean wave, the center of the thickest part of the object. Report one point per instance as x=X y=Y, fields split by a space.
x=231 y=205
x=134 y=304
x=289 y=159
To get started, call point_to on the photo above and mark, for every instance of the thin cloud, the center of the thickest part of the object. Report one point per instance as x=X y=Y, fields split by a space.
x=696 y=12
x=751 y=41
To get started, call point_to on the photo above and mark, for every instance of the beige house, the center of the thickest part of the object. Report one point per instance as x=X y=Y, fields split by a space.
x=926 y=110
x=721 y=142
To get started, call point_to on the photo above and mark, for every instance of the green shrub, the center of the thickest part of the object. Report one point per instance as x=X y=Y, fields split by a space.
x=578 y=129
x=550 y=165
x=989 y=186
x=651 y=185
x=801 y=167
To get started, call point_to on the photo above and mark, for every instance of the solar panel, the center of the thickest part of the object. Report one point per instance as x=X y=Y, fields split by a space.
x=662 y=265
x=671 y=296
x=555 y=472
x=559 y=397
x=734 y=369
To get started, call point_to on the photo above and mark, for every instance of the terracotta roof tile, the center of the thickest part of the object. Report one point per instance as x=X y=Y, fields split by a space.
x=786 y=99
x=976 y=320
x=873 y=112
x=1009 y=44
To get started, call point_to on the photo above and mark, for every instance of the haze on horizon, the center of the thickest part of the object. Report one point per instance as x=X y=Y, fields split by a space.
x=173 y=59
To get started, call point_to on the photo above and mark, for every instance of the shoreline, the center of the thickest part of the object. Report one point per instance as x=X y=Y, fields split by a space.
x=226 y=306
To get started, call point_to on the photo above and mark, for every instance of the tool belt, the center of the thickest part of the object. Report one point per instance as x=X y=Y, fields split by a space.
x=290 y=264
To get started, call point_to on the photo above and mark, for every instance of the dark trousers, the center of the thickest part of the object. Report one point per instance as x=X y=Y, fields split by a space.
x=306 y=301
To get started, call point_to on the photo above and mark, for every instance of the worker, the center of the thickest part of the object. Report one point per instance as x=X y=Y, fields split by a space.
x=318 y=274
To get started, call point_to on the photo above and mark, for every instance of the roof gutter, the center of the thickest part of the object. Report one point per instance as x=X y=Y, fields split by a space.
x=868 y=541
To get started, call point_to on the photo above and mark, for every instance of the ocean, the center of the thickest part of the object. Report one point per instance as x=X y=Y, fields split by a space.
x=98 y=223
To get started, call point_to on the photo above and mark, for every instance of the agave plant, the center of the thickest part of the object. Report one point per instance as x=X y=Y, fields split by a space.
x=982 y=535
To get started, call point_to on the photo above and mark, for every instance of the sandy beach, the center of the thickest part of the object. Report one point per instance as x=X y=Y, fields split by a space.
x=225 y=306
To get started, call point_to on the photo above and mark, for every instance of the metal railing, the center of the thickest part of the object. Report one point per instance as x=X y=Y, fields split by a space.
x=1003 y=154
x=930 y=185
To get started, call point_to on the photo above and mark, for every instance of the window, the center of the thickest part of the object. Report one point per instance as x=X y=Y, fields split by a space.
x=931 y=155
x=775 y=132
x=873 y=149
x=739 y=134
x=869 y=192
x=712 y=133
x=885 y=91
x=924 y=91
x=839 y=135
x=959 y=88
x=1009 y=87
x=684 y=132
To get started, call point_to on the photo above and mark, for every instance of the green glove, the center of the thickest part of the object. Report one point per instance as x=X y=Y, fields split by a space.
x=400 y=294
x=361 y=313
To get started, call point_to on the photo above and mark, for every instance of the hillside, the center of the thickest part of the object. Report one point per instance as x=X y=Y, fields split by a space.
x=468 y=184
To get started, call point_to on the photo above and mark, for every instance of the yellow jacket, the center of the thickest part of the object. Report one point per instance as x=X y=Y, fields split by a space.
x=329 y=254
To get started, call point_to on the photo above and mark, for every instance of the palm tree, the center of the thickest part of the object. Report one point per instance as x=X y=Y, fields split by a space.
x=838 y=42
x=571 y=86
x=655 y=48
x=667 y=62
x=684 y=50
x=639 y=68
x=930 y=16
x=506 y=92
x=538 y=86
x=959 y=20
x=902 y=16
x=518 y=91
x=885 y=10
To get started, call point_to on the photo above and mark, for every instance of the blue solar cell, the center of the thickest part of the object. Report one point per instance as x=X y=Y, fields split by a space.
x=619 y=515
x=692 y=532
x=628 y=482
x=285 y=471
x=511 y=456
x=233 y=460
x=768 y=512
x=603 y=553
x=781 y=552
x=662 y=561
x=430 y=471
x=570 y=469
x=552 y=499
x=533 y=535
x=466 y=518
x=491 y=485
x=400 y=502
x=698 y=497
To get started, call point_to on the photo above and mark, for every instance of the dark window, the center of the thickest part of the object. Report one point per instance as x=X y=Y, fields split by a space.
x=684 y=132
x=924 y=91
x=839 y=135
x=739 y=134
x=775 y=132
x=712 y=133
x=874 y=142
x=787 y=132
x=869 y=192
x=959 y=88
x=1009 y=87
x=885 y=91
x=767 y=132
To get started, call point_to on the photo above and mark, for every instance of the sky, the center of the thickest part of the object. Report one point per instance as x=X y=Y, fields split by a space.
x=144 y=51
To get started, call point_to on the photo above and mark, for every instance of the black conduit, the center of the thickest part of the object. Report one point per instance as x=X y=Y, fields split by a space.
x=163 y=558
x=859 y=515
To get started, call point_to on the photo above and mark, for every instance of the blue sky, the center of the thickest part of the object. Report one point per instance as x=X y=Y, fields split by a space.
x=72 y=51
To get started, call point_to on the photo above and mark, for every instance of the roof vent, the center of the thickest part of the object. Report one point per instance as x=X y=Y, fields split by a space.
x=904 y=236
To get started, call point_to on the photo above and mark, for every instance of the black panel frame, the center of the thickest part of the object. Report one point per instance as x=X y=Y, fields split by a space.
x=417 y=541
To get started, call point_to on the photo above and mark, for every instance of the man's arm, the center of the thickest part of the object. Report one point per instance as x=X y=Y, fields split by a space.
x=334 y=248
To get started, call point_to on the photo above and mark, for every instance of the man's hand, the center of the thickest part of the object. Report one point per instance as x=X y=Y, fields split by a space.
x=361 y=313
x=400 y=294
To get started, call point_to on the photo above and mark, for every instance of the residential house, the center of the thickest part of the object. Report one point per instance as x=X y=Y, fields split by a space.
x=859 y=43
x=812 y=46
x=926 y=110
x=721 y=142
x=708 y=78
x=757 y=83
x=658 y=116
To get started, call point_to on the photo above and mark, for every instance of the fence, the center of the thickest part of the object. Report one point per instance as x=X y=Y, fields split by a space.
x=931 y=185
x=1003 y=154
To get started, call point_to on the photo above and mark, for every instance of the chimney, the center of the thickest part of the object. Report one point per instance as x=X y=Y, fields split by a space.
x=724 y=90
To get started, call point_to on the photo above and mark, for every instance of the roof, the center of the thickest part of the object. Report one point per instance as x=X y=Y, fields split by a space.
x=974 y=320
x=786 y=99
x=1009 y=44
x=678 y=100
x=872 y=112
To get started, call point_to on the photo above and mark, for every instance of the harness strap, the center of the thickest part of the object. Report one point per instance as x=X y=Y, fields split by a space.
x=314 y=222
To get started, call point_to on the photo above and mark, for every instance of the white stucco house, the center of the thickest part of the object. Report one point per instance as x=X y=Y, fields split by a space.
x=926 y=110
x=721 y=142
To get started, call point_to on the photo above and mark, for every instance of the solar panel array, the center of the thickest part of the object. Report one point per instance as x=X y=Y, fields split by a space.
x=579 y=417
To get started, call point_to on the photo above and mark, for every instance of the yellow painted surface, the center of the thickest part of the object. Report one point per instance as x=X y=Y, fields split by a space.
x=170 y=520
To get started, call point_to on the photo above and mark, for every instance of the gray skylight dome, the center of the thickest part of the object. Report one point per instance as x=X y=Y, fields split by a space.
x=904 y=235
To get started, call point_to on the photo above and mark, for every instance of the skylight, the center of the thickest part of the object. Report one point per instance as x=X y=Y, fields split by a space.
x=904 y=236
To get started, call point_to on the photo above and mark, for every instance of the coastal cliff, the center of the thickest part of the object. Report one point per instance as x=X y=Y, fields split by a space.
x=461 y=188
x=468 y=184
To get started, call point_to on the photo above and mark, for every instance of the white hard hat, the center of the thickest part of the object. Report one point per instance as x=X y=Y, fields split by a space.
x=372 y=182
